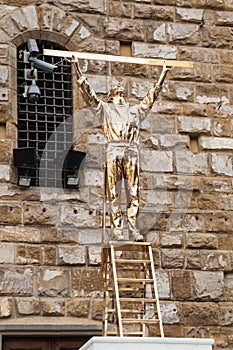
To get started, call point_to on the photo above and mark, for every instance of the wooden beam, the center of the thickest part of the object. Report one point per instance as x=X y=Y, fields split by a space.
x=121 y=59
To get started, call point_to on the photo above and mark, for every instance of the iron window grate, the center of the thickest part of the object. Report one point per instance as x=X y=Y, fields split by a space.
x=46 y=125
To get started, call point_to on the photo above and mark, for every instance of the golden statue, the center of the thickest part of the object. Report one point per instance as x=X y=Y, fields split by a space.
x=121 y=123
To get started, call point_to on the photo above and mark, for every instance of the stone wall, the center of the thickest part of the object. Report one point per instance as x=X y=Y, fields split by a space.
x=51 y=239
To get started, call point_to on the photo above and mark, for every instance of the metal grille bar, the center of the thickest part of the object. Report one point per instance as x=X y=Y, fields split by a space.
x=46 y=125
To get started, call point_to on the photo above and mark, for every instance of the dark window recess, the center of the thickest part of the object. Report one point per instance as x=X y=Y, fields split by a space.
x=46 y=125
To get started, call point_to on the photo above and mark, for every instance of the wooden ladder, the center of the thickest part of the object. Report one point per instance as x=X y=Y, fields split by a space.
x=131 y=294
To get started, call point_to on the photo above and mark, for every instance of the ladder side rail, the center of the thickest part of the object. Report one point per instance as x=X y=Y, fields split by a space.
x=106 y=297
x=116 y=289
x=156 y=292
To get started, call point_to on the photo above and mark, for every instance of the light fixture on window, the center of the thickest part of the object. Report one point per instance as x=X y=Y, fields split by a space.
x=73 y=162
x=25 y=159
x=24 y=181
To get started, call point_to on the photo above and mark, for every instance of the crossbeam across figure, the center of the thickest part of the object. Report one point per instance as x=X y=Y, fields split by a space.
x=121 y=125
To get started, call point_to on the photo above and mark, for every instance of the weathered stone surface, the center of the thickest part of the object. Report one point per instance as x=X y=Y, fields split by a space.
x=157 y=161
x=20 y=234
x=78 y=307
x=87 y=282
x=222 y=164
x=201 y=240
x=189 y=15
x=125 y=29
x=53 y=282
x=207 y=285
x=78 y=216
x=40 y=214
x=94 y=255
x=207 y=310
x=7 y=253
x=187 y=34
x=16 y=281
x=53 y=307
x=6 y=307
x=27 y=306
x=181 y=285
x=189 y=163
x=28 y=254
x=72 y=255
x=216 y=260
x=172 y=258
x=221 y=143
x=194 y=125
x=170 y=240
x=170 y=313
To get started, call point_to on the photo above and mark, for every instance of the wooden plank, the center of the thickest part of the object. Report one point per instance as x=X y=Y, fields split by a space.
x=142 y=320
x=121 y=59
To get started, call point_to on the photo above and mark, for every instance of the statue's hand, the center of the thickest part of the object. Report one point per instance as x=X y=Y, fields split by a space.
x=75 y=62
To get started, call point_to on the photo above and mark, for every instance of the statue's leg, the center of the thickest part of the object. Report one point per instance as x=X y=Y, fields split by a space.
x=131 y=175
x=113 y=178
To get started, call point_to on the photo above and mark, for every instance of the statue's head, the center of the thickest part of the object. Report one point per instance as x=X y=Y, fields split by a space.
x=117 y=95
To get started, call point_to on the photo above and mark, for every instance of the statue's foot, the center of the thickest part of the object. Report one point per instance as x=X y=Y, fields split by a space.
x=137 y=237
x=118 y=235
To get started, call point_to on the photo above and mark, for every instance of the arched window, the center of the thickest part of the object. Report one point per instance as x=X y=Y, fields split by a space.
x=48 y=120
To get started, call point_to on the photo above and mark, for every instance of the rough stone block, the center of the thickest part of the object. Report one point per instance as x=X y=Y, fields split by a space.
x=7 y=253
x=53 y=282
x=189 y=163
x=78 y=216
x=185 y=33
x=170 y=313
x=72 y=255
x=140 y=49
x=163 y=284
x=53 y=307
x=20 y=234
x=217 y=143
x=169 y=240
x=189 y=15
x=97 y=309
x=201 y=240
x=6 y=307
x=157 y=161
x=87 y=282
x=194 y=125
x=125 y=29
x=10 y=213
x=216 y=260
x=172 y=258
x=94 y=255
x=207 y=285
x=207 y=310
x=181 y=285
x=5 y=172
x=40 y=214
x=28 y=254
x=226 y=316
x=16 y=281
x=78 y=307
x=222 y=164
x=27 y=306
x=193 y=259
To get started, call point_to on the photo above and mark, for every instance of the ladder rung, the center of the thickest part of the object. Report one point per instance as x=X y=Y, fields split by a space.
x=125 y=333
x=131 y=320
x=138 y=300
x=135 y=280
x=127 y=311
x=129 y=261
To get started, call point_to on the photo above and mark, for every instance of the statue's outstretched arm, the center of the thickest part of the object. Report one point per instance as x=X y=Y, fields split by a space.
x=155 y=91
x=86 y=89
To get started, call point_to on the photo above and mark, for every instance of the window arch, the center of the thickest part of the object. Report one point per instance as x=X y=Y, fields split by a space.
x=50 y=119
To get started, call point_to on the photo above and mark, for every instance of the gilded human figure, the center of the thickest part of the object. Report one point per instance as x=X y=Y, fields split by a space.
x=121 y=124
